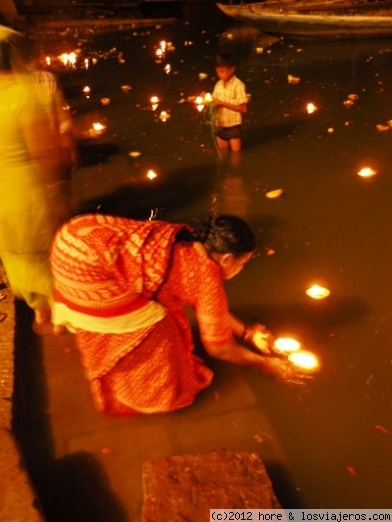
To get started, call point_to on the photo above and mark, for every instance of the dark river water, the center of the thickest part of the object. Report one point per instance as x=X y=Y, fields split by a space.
x=329 y=226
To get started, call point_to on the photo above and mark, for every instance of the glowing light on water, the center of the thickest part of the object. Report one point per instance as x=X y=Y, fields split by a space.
x=126 y=88
x=286 y=345
x=304 y=361
x=318 y=292
x=86 y=63
x=97 y=129
x=367 y=172
x=167 y=68
x=311 y=108
x=48 y=60
x=272 y=194
x=68 y=59
x=151 y=174
x=105 y=101
x=154 y=100
x=164 y=116
x=86 y=90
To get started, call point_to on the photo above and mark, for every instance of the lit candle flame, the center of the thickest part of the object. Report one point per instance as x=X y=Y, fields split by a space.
x=311 y=108
x=48 y=60
x=86 y=89
x=154 y=100
x=68 y=58
x=167 y=68
x=208 y=98
x=367 y=172
x=159 y=53
x=318 y=292
x=200 y=107
x=105 y=101
x=164 y=116
x=98 y=126
x=304 y=361
x=286 y=345
x=152 y=174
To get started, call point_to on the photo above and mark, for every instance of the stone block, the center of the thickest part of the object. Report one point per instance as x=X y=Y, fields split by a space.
x=186 y=487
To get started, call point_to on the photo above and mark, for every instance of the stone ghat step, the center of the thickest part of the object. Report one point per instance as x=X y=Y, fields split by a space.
x=186 y=487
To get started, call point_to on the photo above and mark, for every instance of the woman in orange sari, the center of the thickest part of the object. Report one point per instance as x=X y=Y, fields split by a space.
x=121 y=286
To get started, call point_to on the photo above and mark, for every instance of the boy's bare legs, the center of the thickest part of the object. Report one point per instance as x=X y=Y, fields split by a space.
x=222 y=144
x=235 y=144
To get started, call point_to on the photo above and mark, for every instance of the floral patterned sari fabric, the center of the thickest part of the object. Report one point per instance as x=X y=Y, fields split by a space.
x=112 y=269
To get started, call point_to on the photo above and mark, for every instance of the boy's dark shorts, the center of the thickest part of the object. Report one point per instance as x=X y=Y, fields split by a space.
x=230 y=133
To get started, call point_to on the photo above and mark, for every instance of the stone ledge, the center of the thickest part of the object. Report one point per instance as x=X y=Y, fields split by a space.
x=18 y=500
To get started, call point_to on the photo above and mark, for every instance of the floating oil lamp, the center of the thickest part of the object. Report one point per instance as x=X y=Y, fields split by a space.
x=348 y=103
x=97 y=129
x=203 y=76
x=126 y=88
x=273 y=194
x=207 y=97
x=286 y=345
x=311 y=108
x=68 y=59
x=318 y=292
x=154 y=100
x=293 y=79
x=86 y=91
x=304 y=361
x=164 y=116
x=105 y=101
x=151 y=174
x=167 y=68
x=159 y=53
x=86 y=63
x=367 y=172
x=48 y=61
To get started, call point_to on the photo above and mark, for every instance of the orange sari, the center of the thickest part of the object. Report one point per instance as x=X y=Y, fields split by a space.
x=121 y=285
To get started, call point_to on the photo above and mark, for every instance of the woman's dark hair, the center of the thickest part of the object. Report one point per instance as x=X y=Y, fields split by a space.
x=223 y=234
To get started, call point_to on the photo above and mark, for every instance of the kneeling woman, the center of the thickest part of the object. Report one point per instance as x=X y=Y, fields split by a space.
x=121 y=285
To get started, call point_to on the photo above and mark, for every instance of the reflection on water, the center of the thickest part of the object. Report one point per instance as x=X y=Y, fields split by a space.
x=328 y=227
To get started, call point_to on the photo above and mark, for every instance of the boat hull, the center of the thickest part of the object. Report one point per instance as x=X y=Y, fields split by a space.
x=297 y=25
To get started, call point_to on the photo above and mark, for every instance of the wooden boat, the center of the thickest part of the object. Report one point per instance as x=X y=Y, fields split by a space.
x=333 y=19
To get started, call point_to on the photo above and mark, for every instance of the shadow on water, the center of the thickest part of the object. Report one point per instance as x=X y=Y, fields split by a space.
x=95 y=153
x=255 y=136
x=137 y=200
x=313 y=321
x=73 y=488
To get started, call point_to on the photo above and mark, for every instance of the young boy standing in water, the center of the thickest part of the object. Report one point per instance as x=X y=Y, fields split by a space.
x=231 y=102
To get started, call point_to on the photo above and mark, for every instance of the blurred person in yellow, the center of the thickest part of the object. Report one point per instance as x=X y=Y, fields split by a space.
x=31 y=180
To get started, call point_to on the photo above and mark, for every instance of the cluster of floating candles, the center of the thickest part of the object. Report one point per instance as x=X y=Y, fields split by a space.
x=203 y=100
x=303 y=360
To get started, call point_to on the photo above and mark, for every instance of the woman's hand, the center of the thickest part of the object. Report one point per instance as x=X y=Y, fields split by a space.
x=260 y=338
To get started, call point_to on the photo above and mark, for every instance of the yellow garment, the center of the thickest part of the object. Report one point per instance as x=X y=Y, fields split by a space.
x=26 y=222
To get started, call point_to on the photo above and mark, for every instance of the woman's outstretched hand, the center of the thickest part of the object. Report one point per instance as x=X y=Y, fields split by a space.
x=260 y=338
